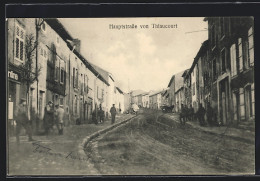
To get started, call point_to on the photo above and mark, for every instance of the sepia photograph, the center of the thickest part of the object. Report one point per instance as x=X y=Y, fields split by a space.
x=130 y=96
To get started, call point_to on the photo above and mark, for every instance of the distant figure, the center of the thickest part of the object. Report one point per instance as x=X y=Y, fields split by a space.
x=182 y=115
x=95 y=116
x=22 y=121
x=210 y=115
x=101 y=115
x=191 y=113
x=48 y=117
x=60 y=115
x=200 y=114
x=113 y=114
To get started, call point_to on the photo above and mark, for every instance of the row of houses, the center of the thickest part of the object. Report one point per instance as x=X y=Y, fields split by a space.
x=58 y=72
x=222 y=73
x=151 y=99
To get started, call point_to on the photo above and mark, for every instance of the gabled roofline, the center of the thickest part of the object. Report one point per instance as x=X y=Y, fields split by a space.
x=119 y=90
x=88 y=65
x=203 y=48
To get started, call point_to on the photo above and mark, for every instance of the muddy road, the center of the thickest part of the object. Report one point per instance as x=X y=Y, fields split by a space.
x=153 y=145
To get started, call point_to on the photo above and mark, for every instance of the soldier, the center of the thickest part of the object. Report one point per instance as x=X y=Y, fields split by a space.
x=201 y=114
x=210 y=114
x=60 y=114
x=182 y=114
x=48 y=117
x=113 y=114
x=191 y=113
x=23 y=121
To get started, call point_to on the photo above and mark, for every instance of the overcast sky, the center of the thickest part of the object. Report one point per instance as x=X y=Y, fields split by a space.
x=147 y=57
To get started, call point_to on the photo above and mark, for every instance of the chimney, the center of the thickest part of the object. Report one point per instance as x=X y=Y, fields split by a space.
x=77 y=44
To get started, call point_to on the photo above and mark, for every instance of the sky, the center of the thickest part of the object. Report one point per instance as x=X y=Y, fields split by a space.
x=139 y=58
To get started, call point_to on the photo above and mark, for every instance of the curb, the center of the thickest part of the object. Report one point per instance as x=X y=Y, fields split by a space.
x=219 y=134
x=81 y=147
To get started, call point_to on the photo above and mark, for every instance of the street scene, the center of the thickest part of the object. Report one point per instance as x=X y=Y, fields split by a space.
x=130 y=96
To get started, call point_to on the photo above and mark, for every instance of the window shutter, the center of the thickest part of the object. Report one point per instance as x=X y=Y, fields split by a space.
x=253 y=99
x=233 y=60
x=235 y=106
x=240 y=54
x=242 y=103
x=251 y=46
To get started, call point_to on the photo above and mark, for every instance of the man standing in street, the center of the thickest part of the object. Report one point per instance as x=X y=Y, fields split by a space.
x=48 y=117
x=22 y=121
x=113 y=113
x=60 y=114
x=201 y=113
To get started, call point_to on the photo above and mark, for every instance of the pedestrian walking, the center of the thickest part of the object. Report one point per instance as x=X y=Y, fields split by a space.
x=60 y=115
x=21 y=117
x=200 y=114
x=113 y=114
x=48 y=117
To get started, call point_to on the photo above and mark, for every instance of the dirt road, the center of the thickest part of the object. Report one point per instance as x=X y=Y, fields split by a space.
x=151 y=145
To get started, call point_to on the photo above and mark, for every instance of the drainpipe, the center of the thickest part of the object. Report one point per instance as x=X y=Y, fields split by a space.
x=70 y=77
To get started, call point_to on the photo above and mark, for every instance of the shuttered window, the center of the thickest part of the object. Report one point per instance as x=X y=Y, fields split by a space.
x=242 y=103
x=251 y=46
x=240 y=54
x=19 y=42
x=233 y=59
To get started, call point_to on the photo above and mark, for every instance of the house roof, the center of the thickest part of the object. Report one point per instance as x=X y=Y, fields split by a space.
x=137 y=92
x=177 y=77
x=119 y=90
x=56 y=25
x=103 y=72
x=156 y=92
x=202 y=49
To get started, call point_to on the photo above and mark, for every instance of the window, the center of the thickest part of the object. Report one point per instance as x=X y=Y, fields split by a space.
x=62 y=76
x=43 y=27
x=242 y=103
x=222 y=27
x=213 y=36
x=61 y=101
x=77 y=78
x=73 y=78
x=251 y=46
x=223 y=60
x=19 y=43
x=56 y=73
x=193 y=88
x=75 y=105
x=240 y=54
x=233 y=59
x=214 y=70
x=235 y=105
x=57 y=40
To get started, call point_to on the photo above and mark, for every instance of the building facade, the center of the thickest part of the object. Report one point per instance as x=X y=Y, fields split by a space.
x=231 y=44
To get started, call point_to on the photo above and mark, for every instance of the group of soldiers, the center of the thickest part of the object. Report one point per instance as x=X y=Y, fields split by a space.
x=188 y=114
x=53 y=116
x=98 y=116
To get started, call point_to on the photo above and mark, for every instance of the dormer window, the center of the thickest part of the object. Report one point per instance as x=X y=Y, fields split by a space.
x=43 y=27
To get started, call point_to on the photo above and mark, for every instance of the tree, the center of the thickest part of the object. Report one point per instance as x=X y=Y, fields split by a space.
x=30 y=72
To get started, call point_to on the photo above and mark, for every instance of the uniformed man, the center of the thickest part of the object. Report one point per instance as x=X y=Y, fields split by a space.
x=113 y=114
x=22 y=120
